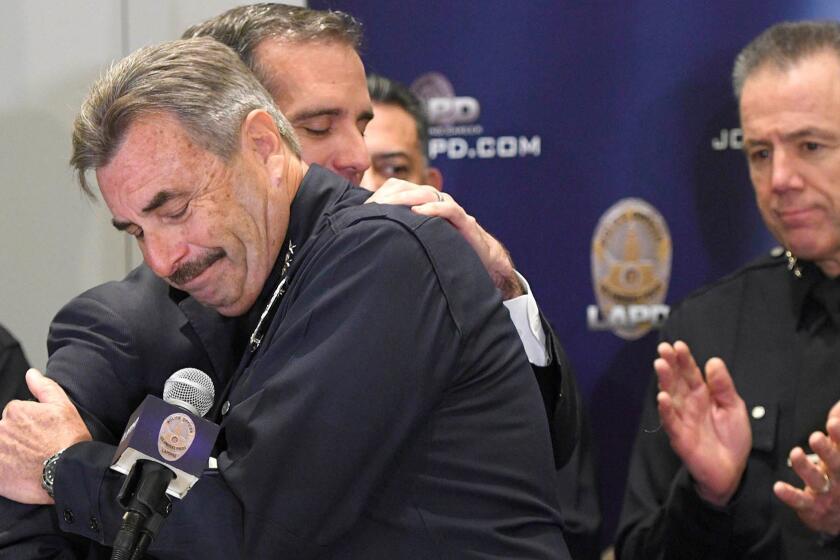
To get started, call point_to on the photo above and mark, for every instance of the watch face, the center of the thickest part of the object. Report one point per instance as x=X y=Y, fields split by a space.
x=48 y=475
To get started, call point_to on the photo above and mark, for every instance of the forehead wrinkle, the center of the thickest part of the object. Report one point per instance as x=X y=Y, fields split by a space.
x=806 y=132
x=299 y=71
x=156 y=162
x=752 y=137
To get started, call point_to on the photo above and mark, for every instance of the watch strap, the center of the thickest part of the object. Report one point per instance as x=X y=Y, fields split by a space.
x=48 y=473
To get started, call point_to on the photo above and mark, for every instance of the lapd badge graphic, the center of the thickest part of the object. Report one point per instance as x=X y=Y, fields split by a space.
x=454 y=130
x=442 y=106
x=177 y=433
x=631 y=267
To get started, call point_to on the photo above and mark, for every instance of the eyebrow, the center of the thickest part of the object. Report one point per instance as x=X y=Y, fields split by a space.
x=795 y=135
x=121 y=226
x=160 y=198
x=387 y=155
x=805 y=132
x=313 y=113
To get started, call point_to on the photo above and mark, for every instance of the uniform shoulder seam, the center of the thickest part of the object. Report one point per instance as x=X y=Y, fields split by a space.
x=765 y=262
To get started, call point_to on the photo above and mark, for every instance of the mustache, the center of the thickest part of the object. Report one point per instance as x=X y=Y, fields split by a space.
x=190 y=270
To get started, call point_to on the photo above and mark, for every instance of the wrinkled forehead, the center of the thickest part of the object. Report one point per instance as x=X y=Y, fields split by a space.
x=793 y=104
x=154 y=151
x=311 y=73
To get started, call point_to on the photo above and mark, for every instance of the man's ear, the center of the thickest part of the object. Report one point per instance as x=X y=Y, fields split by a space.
x=434 y=178
x=260 y=136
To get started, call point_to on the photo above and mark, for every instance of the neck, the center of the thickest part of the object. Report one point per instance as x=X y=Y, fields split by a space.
x=280 y=209
x=294 y=171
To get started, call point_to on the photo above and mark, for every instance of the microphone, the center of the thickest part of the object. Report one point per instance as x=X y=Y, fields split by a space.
x=172 y=431
x=163 y=451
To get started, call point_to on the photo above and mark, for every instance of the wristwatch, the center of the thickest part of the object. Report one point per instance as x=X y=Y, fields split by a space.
x=48 y=474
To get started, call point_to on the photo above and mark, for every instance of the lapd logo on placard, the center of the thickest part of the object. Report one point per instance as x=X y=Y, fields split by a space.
x=177 y=433
x=454 y=128
x=631 y=268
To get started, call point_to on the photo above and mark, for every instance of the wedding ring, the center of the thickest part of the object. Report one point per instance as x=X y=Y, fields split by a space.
x=826 y=485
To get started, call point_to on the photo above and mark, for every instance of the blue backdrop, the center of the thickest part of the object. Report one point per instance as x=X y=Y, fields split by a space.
x=581 y=104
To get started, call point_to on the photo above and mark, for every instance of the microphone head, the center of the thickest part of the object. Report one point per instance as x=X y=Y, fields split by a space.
x=190 y=388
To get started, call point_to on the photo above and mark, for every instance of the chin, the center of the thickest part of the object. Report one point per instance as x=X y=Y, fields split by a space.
x=216 y=302
x=234 y=309
x=810 y=251
x=806 y=243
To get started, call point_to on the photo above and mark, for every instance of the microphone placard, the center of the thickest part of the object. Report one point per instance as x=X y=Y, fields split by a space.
x=167 y=434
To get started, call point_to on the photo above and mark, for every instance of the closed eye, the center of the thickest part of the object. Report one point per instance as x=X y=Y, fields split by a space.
x=180 y=213
x=316 y=131
x=315 y=125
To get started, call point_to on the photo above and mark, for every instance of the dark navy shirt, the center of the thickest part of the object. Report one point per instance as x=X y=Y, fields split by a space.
x=779 y=336
x=389 y=412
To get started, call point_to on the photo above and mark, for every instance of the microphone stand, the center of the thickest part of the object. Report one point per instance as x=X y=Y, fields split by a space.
x=143 y=495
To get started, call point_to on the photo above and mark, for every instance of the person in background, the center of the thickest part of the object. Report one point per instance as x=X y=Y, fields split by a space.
x=723 y=477
x=13 y=366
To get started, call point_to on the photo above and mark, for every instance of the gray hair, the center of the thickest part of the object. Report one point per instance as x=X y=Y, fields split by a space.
x=244 y=27
x=199 y=81
x=784 y=45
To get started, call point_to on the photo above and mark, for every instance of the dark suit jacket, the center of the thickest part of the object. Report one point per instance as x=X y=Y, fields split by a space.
x=13 y=366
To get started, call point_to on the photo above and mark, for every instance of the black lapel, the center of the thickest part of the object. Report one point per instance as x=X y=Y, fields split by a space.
x=216 y=334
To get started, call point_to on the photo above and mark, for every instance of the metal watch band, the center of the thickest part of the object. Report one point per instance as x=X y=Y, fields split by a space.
x=48 y=474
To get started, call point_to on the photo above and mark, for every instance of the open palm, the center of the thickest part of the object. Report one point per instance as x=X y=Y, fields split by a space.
x=706 y=420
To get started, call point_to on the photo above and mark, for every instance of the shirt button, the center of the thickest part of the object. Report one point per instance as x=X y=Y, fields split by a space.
x=68 y=516
x=94 y=525
x=225 y=407
x=758 y=412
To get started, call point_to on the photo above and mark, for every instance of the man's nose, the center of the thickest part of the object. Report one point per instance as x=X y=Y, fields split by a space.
x=785 y=171
x=162 y=253
x=352 y=159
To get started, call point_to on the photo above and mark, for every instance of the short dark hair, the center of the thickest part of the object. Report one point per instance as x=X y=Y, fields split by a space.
x=390 y=92
x=784 y=45
x=244 y=27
